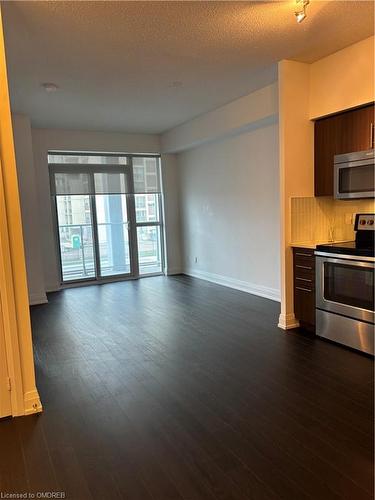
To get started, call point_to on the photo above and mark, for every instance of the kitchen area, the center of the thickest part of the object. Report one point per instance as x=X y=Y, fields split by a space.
x=332 y=233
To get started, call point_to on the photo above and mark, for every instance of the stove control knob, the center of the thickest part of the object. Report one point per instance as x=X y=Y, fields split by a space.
x=362 y=222
x=370 y=222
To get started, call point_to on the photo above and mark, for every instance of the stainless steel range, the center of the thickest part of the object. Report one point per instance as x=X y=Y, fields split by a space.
x=345 y=288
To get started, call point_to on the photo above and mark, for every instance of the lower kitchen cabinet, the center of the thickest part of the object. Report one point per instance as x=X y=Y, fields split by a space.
x=304 y=287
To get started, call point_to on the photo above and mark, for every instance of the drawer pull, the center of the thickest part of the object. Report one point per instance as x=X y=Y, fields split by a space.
x=304 y=279
x=304 y=267
x=303 y=289
x=304 y=254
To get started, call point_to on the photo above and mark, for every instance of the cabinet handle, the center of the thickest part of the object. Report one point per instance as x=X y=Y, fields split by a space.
x=303 y=289
x=304 y=267
x=371 y=135
x=304 y=279
x=304 y=254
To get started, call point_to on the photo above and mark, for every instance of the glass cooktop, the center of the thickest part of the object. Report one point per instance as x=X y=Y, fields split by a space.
x=348 y=248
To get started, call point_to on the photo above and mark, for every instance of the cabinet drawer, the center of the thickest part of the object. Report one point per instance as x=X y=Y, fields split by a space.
x=304 y=259
x=303 y=253
x=305 y=281
x=304 y=265
x=304 y=271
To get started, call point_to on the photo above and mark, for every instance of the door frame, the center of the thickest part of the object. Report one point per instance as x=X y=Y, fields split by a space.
x=13 y=282
x=5 y=386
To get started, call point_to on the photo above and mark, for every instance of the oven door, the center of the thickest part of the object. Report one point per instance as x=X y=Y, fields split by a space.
x=345 y=286
x=354 y=179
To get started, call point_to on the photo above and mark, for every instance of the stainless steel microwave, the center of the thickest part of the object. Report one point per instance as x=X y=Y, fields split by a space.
x=354 y=175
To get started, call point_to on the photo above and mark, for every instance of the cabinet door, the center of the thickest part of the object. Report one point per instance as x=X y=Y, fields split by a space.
x=342 y=133
x=304 y=304
x=326 y=139
x=356 y=130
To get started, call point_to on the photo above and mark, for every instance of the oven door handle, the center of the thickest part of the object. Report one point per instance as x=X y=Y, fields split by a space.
x=343 y=259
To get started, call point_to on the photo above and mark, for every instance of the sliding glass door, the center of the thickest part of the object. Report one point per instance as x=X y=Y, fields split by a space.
x=112 y=226
x=108 y=216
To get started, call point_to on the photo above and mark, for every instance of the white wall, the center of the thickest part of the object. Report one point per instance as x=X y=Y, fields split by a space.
x=330 y=93
x=228 y=173
x=240 y=115
x=171 y=213
x=45 y=140
x=29 y=208
x=229 y=193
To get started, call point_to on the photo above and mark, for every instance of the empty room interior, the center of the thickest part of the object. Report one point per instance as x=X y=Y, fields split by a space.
x=187 y=221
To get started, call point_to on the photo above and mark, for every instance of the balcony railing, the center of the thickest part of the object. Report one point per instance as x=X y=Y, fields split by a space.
x=77 y=252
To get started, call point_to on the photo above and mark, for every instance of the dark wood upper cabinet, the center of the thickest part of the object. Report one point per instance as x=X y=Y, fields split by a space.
x=345 y=132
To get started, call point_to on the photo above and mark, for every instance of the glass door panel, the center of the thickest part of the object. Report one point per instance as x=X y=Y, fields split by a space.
x=147 y=214
x=147 y=207
x=113 y=234
x=149 y=250
x=75 y=237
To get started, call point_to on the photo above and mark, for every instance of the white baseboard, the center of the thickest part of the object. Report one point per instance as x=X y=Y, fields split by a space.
x=38 y=298
x=173 y=270
x=244 y=286
x=32 y=402
x=53 y=288
x=288 y=321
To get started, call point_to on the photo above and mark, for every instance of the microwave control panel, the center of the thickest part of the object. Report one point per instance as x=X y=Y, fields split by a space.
x=365 y=222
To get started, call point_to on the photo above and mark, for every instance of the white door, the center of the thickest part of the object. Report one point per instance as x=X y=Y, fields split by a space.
x=5 y=402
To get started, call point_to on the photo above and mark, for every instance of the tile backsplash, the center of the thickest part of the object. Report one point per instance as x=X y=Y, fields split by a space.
x=325 y=219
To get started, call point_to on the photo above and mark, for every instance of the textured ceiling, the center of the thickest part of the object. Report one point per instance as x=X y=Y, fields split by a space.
x=119 y=64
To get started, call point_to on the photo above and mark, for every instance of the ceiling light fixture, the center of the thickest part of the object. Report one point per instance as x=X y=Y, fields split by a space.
x=50 y=87
x=300 y=11
x=176 y=84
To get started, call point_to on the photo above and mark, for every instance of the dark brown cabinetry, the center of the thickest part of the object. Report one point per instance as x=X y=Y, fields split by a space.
x=304 y=287
x=345 y=132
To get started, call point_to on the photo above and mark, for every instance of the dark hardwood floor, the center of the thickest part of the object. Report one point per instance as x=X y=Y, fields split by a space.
x=174 y=388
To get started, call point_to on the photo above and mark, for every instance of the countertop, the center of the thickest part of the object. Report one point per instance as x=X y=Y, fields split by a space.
x=312 y=244
x=307 y=244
